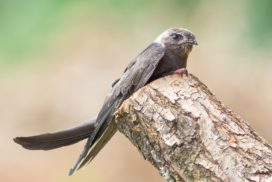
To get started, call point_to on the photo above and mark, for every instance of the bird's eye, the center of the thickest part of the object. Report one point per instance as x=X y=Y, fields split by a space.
x=176 y=36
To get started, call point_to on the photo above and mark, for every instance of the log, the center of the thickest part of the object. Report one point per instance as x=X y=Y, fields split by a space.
x=189 y=135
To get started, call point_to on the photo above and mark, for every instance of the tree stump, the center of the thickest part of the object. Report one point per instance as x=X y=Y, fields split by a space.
x=189 y=135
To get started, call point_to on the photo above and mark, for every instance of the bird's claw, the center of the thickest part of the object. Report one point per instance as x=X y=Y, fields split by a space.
x=181 y=71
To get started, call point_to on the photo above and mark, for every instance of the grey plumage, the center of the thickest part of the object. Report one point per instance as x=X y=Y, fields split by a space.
x=135 y=76
x=49 y=141
x=166 y=54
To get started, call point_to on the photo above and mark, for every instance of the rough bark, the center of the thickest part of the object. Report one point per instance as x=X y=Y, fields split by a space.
x=188 y=135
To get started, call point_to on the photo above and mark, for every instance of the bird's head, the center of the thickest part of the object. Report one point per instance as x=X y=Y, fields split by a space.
x=178 y=39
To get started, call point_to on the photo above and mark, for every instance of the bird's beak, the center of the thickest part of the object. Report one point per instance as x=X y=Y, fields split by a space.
x=194 y=42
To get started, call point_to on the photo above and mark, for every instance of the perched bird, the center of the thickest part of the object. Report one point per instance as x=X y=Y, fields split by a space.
x=166 y=55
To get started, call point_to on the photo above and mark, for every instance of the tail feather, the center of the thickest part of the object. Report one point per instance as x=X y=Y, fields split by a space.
x=58 y=139
x=102 y=118
x=110 y=131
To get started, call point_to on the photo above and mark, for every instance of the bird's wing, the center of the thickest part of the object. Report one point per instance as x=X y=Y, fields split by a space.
x=135 y=76
x=152 y=54
x=139 y=70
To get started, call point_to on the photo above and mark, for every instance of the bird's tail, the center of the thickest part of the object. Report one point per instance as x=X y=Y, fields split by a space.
x=102 y=141
x=58 y=139
x=97 y=140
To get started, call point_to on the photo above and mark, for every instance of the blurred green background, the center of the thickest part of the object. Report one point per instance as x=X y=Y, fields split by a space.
x=58 y=59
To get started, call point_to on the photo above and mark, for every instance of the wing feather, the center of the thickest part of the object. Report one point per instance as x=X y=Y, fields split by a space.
x=135 y=76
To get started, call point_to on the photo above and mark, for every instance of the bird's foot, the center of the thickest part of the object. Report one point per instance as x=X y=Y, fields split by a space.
x=181 y=71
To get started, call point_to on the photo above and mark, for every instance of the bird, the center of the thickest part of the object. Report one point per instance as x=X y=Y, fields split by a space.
x=166 y=55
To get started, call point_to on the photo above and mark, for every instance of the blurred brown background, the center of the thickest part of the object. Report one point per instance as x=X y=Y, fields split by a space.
x=58 y=59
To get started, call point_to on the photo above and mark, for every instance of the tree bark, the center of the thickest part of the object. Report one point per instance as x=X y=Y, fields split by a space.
x=188 y=135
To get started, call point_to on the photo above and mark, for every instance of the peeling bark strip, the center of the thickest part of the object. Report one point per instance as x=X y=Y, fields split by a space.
x=188 y=135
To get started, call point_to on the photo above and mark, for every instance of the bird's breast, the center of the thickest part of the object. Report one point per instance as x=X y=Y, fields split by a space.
x=168 y=64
